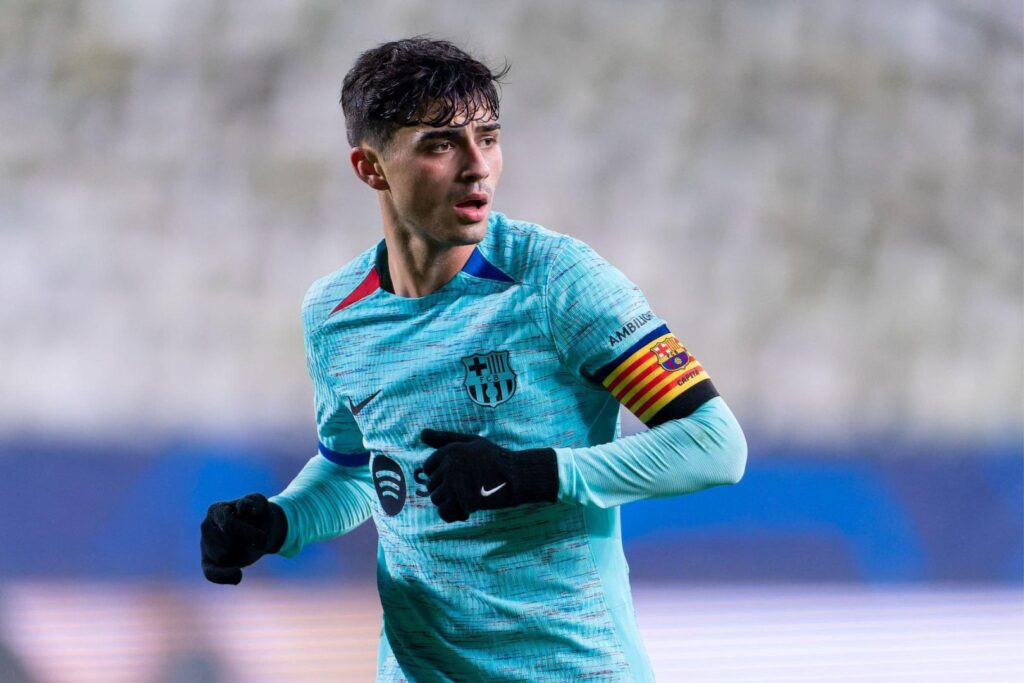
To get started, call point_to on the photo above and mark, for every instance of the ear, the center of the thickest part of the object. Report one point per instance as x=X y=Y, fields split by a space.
x=366 y=164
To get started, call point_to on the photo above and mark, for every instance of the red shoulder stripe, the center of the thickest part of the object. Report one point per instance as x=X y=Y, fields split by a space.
x=367 y=287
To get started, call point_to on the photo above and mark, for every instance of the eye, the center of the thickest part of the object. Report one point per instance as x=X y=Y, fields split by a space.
x=489 y=141
x=443 y=146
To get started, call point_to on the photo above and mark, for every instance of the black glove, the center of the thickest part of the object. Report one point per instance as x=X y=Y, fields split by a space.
x=468 y=473
x=236 y=533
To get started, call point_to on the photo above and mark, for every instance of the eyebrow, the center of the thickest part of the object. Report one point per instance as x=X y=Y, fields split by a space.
x=452 y=132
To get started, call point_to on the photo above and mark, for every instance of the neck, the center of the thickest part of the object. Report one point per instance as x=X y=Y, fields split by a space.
x=419 y=267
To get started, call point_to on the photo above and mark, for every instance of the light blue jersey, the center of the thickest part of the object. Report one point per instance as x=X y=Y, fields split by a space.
x=533 y=344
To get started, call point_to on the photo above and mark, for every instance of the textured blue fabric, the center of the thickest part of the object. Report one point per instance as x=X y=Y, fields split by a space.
x=681 y=456
x=508 y=350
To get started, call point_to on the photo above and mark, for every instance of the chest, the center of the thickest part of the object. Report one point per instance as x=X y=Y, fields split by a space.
x=485 y=365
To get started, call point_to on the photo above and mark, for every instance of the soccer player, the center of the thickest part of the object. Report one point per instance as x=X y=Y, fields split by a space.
x=468 y=372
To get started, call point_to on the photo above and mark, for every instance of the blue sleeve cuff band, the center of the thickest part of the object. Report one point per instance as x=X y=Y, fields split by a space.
x=344 y=459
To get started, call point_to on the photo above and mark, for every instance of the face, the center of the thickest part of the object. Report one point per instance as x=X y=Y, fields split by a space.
x=441 y=181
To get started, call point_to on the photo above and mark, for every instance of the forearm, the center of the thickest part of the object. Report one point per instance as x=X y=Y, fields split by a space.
x=681 y=456
x=323 y=501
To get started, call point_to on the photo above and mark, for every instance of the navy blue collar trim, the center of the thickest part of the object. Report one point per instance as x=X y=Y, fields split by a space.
x=480 y=267
x=477 y=266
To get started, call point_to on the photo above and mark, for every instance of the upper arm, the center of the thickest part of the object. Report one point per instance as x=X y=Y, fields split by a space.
x=606 y=331
x=338 y=436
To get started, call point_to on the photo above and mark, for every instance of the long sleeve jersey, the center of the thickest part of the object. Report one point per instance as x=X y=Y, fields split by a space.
x=534 y=343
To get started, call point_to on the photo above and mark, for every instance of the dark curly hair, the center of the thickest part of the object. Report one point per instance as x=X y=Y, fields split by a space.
x=415 y=81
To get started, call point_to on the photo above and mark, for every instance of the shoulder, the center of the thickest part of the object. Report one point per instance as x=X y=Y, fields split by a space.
x=530 y=253
x=324 y=294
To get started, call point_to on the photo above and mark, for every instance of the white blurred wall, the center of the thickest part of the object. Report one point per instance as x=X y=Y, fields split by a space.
x=824 y=199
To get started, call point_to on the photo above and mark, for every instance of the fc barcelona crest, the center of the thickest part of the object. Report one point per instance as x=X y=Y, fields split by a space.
x=671 y=354
x=490 y=379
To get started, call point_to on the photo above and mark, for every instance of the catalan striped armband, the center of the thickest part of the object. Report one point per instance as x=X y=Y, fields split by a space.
x=657 y=379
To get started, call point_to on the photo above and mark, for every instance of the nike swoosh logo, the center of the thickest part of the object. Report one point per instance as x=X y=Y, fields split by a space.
x=486 y=492
x=358 y=407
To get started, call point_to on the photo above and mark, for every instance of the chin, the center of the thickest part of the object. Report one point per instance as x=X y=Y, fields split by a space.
x=473 y=233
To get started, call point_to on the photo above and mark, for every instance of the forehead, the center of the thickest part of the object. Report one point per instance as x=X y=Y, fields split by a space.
x=456 y=112
x=448 y=114
x=456 y=125
x=453 y=128
x=461 y=120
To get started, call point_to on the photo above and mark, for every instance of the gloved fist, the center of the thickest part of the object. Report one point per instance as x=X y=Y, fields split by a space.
x=468 y=473
x=238 y=532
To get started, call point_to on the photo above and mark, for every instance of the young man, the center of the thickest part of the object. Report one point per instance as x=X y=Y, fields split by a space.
x=468 y=372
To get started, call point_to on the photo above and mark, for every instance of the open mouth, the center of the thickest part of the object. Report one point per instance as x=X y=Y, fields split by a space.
x=473 y=207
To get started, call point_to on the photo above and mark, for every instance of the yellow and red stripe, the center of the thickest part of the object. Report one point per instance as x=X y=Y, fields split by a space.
x=645 y=383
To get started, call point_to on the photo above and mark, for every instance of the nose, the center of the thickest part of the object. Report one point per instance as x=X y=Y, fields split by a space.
x=475 y=167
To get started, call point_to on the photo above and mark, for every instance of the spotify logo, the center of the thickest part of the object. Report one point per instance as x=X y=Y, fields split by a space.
x=389 y=483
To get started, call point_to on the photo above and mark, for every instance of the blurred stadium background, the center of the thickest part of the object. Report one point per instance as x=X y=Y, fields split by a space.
x=824 y=199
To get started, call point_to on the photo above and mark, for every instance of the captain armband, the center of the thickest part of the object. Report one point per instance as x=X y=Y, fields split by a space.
x=657 y=379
